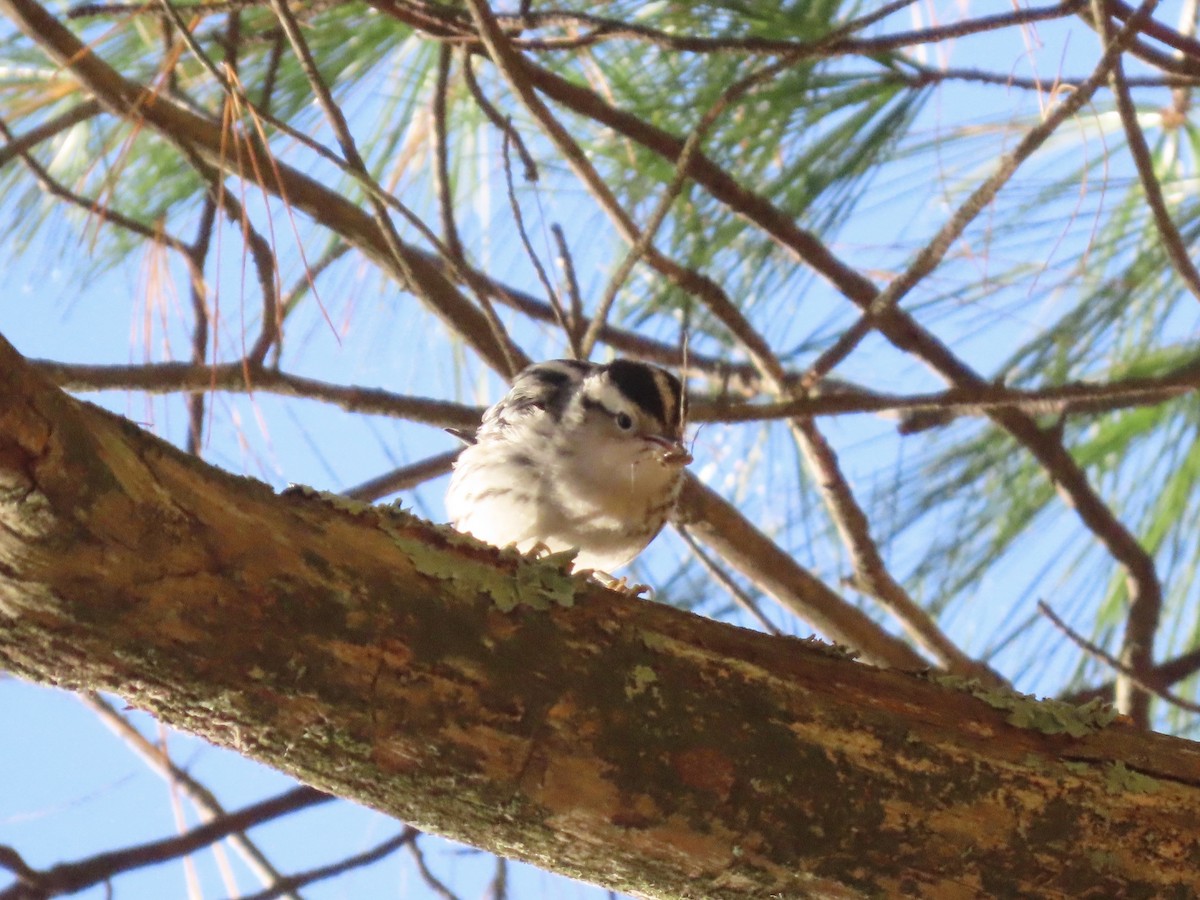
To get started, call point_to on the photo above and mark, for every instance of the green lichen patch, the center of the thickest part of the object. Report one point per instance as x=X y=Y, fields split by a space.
x=522 y=580
x=537 y=583
x=641 y=678
x=1027 y=711
x=1120 y=779
x=1054 y=716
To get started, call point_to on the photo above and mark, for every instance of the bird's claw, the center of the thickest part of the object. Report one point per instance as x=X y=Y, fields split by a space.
x=621 y=585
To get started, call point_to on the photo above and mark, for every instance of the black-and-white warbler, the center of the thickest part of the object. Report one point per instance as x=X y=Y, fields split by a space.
x=575 y=455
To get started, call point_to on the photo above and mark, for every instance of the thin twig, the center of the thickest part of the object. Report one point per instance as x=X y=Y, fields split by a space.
x=358 y=860
x=1076 y=398
x=501 y=123
x=531 y=255
x=513 y=69
x=723 y=578
x=576 y=325
x=498 y=887
x=1181 y=96
x=238 y=376
x=66 y=878
x=200 y=324
x=1123 y=671
x=453 y=27
x=306 y=282
x=503 y=358
x=1072 y=398
x=1162 y=677
x=1139 y=150
x=15 y=146
x=403 y=479
x=431 y=880
x=644 y=241
x=441 y=156
x=261 y=253
x=208 y=805
x=871 y=575
x=93 y=207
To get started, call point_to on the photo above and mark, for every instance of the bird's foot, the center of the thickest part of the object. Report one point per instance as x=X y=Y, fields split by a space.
x=621 y=585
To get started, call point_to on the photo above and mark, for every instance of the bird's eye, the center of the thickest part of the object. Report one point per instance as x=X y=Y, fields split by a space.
x=624 y=421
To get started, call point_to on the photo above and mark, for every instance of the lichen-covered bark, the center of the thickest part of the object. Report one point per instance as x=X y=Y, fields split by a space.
x=504 y=703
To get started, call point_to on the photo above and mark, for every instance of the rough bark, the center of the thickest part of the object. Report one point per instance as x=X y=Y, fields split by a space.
x=501 y=702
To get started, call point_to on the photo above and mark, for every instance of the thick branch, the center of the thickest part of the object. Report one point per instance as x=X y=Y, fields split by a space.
x=496 y=700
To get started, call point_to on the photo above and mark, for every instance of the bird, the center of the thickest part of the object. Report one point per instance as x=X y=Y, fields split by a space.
x=577 y=455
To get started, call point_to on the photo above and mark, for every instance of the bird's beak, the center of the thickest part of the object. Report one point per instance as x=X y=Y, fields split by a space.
x=673 y=452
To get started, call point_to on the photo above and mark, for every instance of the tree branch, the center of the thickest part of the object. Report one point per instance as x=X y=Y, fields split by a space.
x=67 y=878
x=497 y=700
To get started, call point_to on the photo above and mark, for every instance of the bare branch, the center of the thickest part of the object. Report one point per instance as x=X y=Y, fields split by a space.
x=716 y=523
x=870 y=573
x=404 y=478
x=67 y=878
x=441 y=157
x=16 y=146
x=382 y=850
x=210 y=808
x=238 y=376
x=723 y=578
x=1113 y=663
x=1139 y=150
